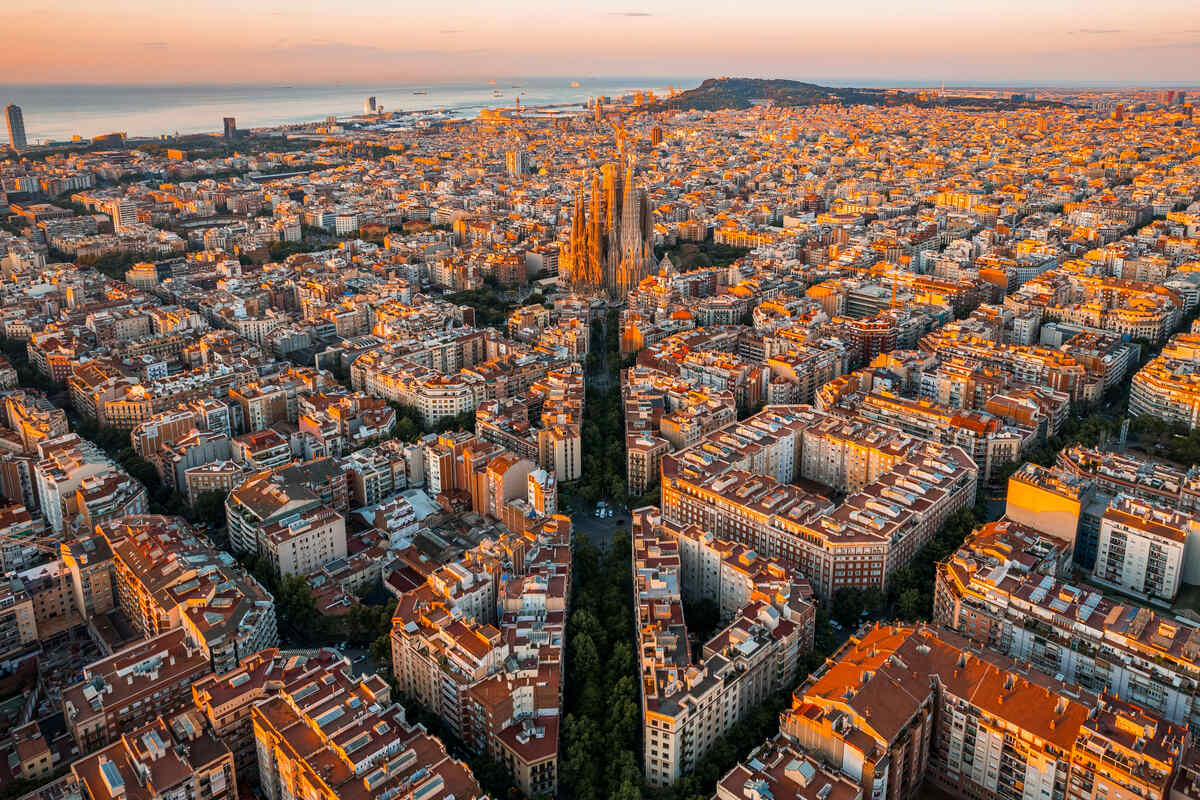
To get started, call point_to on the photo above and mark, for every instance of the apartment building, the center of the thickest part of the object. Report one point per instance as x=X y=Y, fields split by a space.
x=161 y=429
x=66 y=462
x=304 y=541
x=507 y=478
x=132 y=687
x=726 y=372
x=262 y=404
x=555 y=400
x=479 y=642
x=18 y=626
x=18 y=530
x=269 y=496
x=217 y=476
x=226 y=700
x=506 y=423
x=173 y=756
x=193 y=449
x=779 y=770
x=685 y=425
x=1008 y=588
x=88 y=563
x=1056 y=368
x=901 y=708
x=1050 y=500
x=110 y=494
x=167 y=576
x=802 y=370
x=397 y=518
x=434 y=394
x=1123 y=473
x=375 y=474
x=560 y=450
x=17 y=473
x=49 y=591
x=643 y=455
x=34 y=419
x=541 y=492
x=127 y=403
x=688 y=703
x=1141 y=547
x=737 y=483
x=987 y=439
x=334 y=738
x=664 y=413
x=260 y=450
x=1168 y=386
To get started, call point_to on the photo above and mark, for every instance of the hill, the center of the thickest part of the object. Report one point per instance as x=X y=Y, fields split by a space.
x=722 y=93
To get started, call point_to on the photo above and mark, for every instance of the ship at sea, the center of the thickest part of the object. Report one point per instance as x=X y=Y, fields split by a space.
x=421 y=91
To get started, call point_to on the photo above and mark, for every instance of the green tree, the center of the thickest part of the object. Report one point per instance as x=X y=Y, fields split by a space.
x=848 y=605
x=210 y=507
x=910 y=606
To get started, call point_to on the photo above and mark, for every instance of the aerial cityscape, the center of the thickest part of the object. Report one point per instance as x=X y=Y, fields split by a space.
x=452 y=437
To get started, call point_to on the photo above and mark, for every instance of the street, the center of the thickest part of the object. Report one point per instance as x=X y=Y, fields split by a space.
x=600 y=531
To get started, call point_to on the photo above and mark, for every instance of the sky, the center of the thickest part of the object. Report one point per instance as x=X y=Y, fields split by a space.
x=332 y=41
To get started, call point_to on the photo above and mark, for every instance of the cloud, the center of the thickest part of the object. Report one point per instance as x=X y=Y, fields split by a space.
x=353 y=52
x=1099 y=30
x=1170 y=46
x=154 y=44
x=447 y=31
x=630 y=14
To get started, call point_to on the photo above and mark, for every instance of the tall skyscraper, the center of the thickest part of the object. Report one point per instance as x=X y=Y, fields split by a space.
x=369 y=105
x=230 y=127
x=16 y=126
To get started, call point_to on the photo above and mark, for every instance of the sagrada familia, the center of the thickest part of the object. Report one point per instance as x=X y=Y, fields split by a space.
x=611 y=247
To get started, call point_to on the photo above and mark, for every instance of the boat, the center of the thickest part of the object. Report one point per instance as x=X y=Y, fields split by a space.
x=574 y=84
x=421 y=91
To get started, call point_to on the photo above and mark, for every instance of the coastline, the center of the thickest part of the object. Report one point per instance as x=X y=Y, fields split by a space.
x=57 y=114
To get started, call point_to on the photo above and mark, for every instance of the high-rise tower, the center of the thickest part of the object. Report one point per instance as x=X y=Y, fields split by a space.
x=16 y=127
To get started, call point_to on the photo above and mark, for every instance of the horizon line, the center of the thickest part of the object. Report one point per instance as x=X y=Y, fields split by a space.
x=842 y=82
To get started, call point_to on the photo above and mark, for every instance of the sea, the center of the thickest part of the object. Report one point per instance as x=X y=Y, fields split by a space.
x=57 y=112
